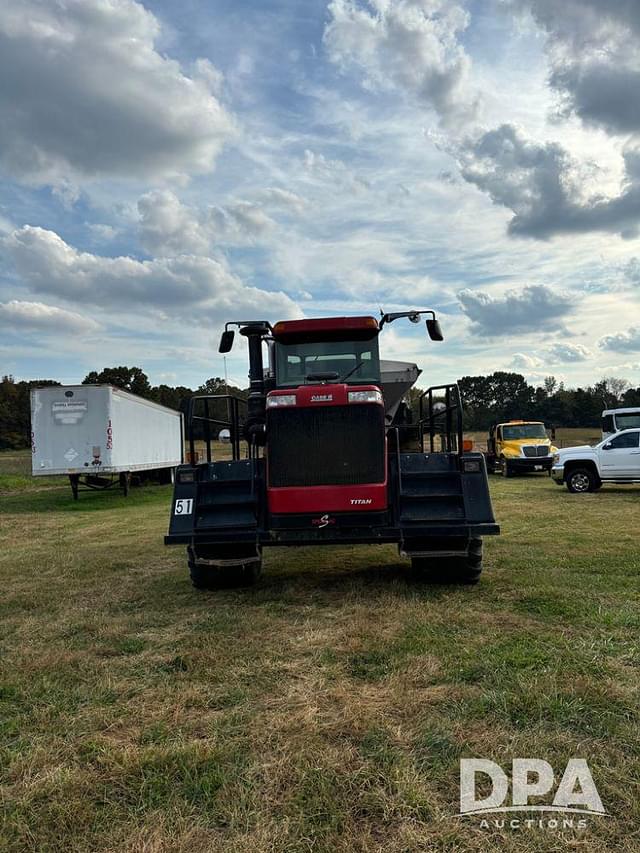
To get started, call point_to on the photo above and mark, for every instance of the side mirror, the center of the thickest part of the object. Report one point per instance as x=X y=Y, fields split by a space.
x=607 y=446
x=226 y=341
x=433 y=330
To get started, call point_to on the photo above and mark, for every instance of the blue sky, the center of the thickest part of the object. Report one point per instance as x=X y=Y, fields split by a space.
x=167 y=167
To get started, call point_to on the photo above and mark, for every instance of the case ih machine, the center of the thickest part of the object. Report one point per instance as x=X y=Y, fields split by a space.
x=320 y=457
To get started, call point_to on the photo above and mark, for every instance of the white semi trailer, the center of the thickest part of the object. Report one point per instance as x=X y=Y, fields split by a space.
x=99 y=435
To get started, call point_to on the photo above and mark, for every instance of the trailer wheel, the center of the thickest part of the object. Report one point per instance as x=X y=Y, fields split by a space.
x=465 y=569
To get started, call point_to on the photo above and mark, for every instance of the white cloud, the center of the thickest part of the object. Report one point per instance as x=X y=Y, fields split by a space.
x=86 y=94
x=36 y=316
x=168 y=227
x=200 y=288
x=409 y=45
x=249 y=217
x=533 y=308
x=541 y=184
x=594 y=58
x=632 y=270
x=569 y=352
x=335 y=173
x=522 y=361
x=628 y=341
x=278 y=197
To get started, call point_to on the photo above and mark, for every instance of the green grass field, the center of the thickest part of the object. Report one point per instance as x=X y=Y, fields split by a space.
x=325 y=709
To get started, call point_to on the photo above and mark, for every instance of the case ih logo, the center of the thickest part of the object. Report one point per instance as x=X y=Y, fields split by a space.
x=361 y=501
x=321 y=398
x=575 y=798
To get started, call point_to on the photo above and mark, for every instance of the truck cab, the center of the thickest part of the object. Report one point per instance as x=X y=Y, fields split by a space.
x=519 y=446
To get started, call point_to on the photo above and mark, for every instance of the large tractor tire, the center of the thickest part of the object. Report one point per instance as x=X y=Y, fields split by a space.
x=464 y=569
x=581 y=480
x=213 y=577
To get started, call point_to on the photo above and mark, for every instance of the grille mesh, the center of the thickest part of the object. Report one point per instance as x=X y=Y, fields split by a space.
x=535 y=450
x=326 y=446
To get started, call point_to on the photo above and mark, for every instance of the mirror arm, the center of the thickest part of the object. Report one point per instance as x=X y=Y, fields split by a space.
x=389 y=318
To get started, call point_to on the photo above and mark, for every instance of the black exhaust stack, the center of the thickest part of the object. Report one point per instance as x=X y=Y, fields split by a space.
x=256 y=405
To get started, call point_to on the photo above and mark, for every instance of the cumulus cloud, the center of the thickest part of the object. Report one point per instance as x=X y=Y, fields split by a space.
x=188 y=285
x=406 y=44
x=168 y=227
x=539 y=182
x=522 y=361
x=628 y=341
x=86 y=94
x=36 y=316
x=569 y=352
x=533 y=308
x=594 y=56
x=248 y=217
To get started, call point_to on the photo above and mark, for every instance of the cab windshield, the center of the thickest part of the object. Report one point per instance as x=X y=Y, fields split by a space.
x=350 y=361
x=511 y=433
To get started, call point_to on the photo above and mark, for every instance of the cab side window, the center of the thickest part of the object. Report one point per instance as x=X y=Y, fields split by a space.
x=629 y=439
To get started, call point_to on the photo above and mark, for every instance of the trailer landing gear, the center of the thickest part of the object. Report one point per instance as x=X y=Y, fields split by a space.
x=98 y=483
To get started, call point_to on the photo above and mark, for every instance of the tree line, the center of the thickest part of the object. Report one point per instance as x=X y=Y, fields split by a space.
x=502 y=396
x=487 y=399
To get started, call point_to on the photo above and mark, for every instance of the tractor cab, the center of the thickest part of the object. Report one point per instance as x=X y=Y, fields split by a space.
x=308 y=352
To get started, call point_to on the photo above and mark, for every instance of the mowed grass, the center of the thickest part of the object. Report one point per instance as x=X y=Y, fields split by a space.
x=15 y=474
x=325 y=709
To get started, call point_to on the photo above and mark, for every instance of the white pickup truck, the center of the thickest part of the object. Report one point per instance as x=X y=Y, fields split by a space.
x=586 y=468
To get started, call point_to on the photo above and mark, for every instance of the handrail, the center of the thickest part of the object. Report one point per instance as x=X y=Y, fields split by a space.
x=453 y=441
x=233 y=422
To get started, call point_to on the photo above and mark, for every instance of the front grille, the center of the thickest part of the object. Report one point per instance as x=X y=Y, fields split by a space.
x=535 y=450
x=326 y=446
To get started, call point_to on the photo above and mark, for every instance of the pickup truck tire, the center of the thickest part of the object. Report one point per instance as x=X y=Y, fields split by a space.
x=465 y=569
x=580 y=480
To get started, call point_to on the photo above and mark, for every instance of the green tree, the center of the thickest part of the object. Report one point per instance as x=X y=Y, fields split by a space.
x=132 y=379
x=15 y=411
x=216 y=385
